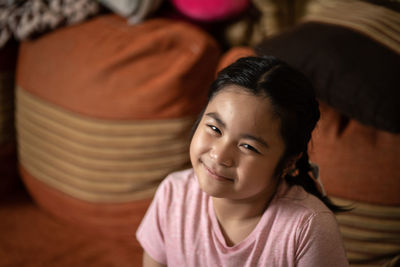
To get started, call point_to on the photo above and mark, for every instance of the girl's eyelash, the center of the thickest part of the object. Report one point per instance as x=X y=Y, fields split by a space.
x=213 y=128
x=249 y=147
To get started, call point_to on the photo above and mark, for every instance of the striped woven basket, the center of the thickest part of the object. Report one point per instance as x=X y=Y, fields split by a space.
x=359 y=167
x=371 y=233
x=377 y=22
x=360 y=164
x=99 y=161
x=104 y=112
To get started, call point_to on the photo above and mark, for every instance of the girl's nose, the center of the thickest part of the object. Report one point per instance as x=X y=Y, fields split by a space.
x=222 y=154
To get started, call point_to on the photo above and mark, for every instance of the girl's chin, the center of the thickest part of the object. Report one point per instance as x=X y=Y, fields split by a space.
x=212 y=187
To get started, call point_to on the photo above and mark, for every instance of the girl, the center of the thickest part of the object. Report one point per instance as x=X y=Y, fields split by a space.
x=249 y=199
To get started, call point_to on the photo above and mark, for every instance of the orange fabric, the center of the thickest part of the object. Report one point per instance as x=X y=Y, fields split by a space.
x=105 y=68
x=234 y=54
x=31 y=237
x=357 y=162
x=98 y=161
x=113 y=220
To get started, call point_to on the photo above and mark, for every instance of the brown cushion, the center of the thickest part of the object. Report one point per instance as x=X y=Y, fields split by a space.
x=350 y=71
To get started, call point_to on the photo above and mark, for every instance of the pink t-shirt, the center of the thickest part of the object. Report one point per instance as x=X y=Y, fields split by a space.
x=180 y=229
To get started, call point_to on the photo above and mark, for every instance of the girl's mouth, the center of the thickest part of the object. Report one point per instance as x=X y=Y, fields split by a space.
x=217 y=176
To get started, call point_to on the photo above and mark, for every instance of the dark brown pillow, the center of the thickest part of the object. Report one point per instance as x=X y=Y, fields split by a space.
x=351 y=72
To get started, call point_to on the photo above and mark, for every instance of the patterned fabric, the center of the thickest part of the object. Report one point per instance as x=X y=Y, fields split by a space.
x=134 y=10
x=22 y=19
x=371 y=233
x=377 y=22
x=104 y=111
x=116 y=220
x=98 y=160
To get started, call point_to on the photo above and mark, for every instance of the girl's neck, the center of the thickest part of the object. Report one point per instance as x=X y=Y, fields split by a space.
x=237 y=219
x=240 y=210
x=244 y=209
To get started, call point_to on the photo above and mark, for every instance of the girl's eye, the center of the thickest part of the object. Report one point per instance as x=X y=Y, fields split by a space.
x=251 y=148
x=214 y=129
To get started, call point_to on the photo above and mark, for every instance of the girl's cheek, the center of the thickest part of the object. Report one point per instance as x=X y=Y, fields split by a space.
x=199 y=142
x=194 y=145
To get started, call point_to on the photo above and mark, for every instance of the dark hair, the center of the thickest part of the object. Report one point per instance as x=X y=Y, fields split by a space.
x=293 y=99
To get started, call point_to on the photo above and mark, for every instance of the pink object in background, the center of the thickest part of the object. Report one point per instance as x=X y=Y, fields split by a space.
x=210 y=10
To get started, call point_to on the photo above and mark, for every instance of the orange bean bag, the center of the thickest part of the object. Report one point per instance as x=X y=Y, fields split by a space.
x=104 y=111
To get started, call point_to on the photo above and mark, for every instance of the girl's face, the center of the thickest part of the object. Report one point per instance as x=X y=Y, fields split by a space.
x=237 y=146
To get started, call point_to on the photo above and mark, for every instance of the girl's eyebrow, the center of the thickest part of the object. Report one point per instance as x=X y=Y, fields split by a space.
x=216 y=118
x=260 y=140
x=255 y=138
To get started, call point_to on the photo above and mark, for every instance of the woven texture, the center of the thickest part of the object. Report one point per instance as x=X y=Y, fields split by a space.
x=350 y=50
x=371 y=233
x=98 y=160
x=104 y=112
x=379 y=23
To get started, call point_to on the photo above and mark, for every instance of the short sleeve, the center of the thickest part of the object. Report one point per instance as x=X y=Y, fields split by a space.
x=150 y=233
x=320 y=242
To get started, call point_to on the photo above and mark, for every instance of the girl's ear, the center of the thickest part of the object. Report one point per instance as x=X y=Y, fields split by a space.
x=290 y=167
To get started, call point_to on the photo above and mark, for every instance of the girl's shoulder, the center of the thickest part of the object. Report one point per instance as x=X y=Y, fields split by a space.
x=295 y=199
x=179 y=179
x=295 y=211
x=178 y=184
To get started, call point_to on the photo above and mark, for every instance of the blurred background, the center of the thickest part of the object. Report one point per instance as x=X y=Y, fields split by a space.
x=98 y=97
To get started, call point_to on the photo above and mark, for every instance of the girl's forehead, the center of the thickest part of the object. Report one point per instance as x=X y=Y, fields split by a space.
x=238 y=105
x=234 y=95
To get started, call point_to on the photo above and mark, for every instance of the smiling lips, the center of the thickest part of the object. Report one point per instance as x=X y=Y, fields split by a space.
x=216 y=176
